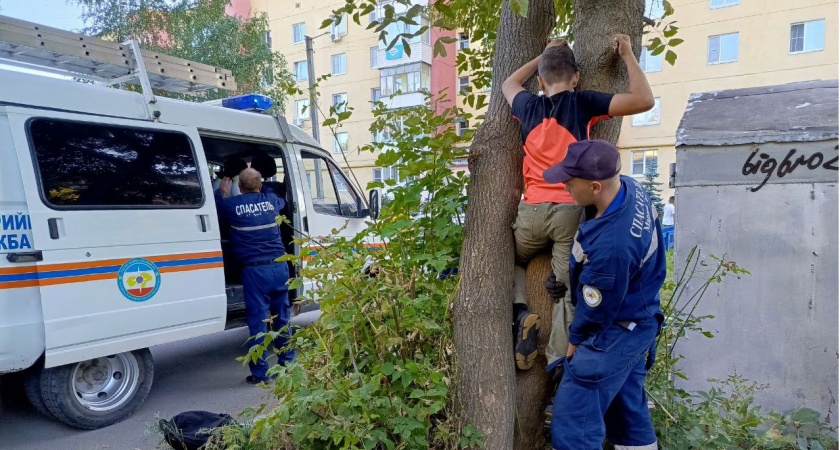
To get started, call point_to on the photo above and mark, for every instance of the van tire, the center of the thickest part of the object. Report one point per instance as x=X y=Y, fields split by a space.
x=99 y=392
x=32 y=388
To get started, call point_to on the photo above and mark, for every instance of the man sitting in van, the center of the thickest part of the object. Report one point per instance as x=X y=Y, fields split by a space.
x=255 y=237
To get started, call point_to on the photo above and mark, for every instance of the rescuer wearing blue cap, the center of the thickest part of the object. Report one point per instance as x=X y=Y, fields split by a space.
x=617 y=267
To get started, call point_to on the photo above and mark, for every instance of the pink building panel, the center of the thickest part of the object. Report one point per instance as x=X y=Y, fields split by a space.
x=239 y=8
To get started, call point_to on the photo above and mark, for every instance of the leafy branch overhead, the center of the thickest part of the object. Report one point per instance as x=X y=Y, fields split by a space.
x=199 y=31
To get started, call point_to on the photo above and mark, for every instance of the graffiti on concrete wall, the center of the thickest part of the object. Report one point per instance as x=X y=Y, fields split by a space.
x=759 y=162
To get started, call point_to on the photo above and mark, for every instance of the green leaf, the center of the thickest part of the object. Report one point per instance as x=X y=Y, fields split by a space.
x=670 y=32
x=671 y=57
x=406 y=47
x=805 y=415
x=658 y=50
x=655 y=43
x=519 y=7
x=439 y=49
x=675 y=42
x=329 y=122
x=669 y=9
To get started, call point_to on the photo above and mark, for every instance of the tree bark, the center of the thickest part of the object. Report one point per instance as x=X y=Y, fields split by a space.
x=596 y=22
x=483 y=306
x=534 y=387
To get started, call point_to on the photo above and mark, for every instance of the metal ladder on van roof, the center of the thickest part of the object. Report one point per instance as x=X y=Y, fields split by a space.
x=37 y=47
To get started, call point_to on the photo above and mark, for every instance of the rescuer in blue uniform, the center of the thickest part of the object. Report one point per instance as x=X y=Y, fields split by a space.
x=617 y=267
x=255 y=236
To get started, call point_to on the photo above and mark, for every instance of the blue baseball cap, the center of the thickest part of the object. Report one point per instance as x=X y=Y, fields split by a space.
x=590 y=159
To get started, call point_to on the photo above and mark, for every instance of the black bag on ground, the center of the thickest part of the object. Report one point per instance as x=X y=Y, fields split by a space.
x=192 y=429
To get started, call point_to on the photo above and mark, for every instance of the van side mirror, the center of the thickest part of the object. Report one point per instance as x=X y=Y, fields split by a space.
x=375 y=202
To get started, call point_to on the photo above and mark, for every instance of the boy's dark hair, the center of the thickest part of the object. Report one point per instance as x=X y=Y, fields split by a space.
x=557 y=64
x=671 y=199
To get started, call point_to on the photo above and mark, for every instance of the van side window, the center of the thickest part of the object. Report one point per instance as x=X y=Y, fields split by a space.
x=94 y=166
x=331 y=192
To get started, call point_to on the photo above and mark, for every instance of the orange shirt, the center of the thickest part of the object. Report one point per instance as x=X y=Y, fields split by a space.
x=549 y=125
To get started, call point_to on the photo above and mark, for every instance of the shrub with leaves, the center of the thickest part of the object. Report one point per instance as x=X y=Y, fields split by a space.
x=376 y=370
x=726 y=415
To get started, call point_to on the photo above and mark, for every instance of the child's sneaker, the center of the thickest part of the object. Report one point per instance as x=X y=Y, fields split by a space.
x=526 y=331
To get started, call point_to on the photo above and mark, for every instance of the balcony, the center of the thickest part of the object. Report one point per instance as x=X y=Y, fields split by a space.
x=420 y=52
x=405 y=100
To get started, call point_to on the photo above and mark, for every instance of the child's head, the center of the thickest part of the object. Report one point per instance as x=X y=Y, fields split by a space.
x=558 y=65
x=671 y=199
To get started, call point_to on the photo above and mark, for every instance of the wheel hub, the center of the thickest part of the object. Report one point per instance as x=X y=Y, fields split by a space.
x=104 y=384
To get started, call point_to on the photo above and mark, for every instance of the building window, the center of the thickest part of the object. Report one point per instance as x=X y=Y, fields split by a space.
x=340 y=142
x=723 y=48
x=648 y=62
x=339 y=29
x=380 y=175
x=404 y=79
x=374 y=57
x=268 y=41
x=299 y=32
x=339 y=102
x=463 y=84
x=807 y=36
x=642 y=160
x=375 y=95
x=301 y=69
x=723 y=3
x=339 y=64
x=463 y=125
x=463 y=41
x=649 y=117
x=92 y=166
x=301 y=111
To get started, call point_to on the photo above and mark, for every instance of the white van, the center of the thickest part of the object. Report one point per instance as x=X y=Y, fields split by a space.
x=109 y=239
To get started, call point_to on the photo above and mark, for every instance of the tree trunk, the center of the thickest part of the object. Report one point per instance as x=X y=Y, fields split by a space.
x=483 y=306
x=534 y=387
x=596 y=22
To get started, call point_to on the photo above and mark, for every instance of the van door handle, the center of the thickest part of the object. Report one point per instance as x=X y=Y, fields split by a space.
x=52 y=224
x=23 y=257
x=203 y=222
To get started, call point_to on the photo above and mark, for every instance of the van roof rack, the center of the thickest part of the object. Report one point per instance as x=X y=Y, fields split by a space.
x=32 y=46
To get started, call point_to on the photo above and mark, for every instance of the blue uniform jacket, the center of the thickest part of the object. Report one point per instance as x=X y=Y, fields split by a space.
x=254 y=232
x=617 y=266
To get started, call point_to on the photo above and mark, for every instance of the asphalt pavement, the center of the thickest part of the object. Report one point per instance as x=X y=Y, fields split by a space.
x=196 y=374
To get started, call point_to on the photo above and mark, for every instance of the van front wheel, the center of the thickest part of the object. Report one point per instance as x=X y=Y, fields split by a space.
x=98 y=392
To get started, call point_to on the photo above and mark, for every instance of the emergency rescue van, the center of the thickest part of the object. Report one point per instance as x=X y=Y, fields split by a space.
x=109 y=238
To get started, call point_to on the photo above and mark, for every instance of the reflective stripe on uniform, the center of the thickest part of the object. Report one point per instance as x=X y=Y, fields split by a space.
x=654 y=244
x=577 y=250
x=258 y=227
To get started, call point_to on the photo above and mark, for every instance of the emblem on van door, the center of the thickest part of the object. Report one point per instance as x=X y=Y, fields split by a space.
x=138 y=279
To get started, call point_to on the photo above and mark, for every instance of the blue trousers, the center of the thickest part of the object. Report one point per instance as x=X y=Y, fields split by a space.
x=668 y=236
x=602 y=392
x=266 y=294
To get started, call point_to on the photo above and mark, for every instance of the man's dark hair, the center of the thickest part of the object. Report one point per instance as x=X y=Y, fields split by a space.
x=557 y=64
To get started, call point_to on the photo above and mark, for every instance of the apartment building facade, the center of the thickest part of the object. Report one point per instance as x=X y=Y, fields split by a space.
x=728 y=44
x=361 y=71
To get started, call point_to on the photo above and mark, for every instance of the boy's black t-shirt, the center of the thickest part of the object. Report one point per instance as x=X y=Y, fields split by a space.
x=549 y=125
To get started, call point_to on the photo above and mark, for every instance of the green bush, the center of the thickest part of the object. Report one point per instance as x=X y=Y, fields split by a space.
x=725 y=416
x=376 y=371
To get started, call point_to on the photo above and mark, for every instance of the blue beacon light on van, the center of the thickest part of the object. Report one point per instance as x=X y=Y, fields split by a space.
x=250 y=102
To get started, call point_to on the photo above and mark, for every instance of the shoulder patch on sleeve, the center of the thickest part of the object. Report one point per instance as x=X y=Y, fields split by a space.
x=592 y=296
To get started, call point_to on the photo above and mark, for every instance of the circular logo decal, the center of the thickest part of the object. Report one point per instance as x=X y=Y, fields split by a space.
x=591 y=296
x=138 y=279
